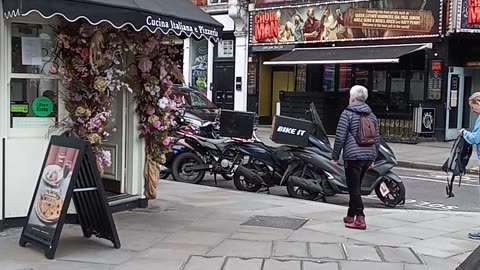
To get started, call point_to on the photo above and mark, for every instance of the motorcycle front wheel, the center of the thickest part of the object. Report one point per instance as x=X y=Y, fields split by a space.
x=396 y=192
x=297 y=192
x=180 y=165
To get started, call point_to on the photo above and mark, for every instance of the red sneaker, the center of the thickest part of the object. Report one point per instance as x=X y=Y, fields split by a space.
x=348 y=219
x=358 y=224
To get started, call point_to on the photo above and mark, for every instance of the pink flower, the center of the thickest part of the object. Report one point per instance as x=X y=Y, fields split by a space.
x=144 y=64
x=150 y=110
x=85 y=53
x=168 y=84
x=166 y=141
x=62 y=71
x=157 y=124
x=149 y=47
x=52 y=69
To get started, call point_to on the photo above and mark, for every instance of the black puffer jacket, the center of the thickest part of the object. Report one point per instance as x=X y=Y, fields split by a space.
x=347 y=128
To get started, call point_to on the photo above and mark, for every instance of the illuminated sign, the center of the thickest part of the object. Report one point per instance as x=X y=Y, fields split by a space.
x=473 y=11
x=266 y=26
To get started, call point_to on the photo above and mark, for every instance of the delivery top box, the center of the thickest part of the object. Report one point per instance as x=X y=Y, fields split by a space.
x=291 y=131
x=236 y=124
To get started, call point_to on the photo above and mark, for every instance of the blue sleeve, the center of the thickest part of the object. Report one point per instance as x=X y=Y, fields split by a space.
x=473 y=137
x=341 y=135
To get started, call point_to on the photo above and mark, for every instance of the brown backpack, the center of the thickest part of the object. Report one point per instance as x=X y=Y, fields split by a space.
x=367 y=132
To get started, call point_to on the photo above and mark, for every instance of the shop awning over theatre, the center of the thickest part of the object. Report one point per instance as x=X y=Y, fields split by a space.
x=174 y=17
x=347 y=55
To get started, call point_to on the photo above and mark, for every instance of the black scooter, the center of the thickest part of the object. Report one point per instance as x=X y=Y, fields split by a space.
x=322 y=178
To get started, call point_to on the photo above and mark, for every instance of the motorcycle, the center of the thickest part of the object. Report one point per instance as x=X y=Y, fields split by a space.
x=323 y=178
x=218 y=156
x=206 y=129
x=268 y=166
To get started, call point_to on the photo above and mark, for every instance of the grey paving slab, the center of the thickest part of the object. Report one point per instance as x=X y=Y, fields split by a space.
x=243 y=248
x=195 y=237
x=399 y=255
x=326 y=251
x=414 y=231
x=174 y=251
x=362 y=253
x=149 y=263
x=202 y=263
x=54 y=265
x=243 y=264
x=338 y=228
x=381 y=221
x=433 y=263
x=382 y=238
x=320 y=265
x=290 y=249
x=261 y=233
x=350 y=265
x=415 y=217
x=94 y=255
x=443 y=247
x=281 y=265
x=219 y=226
x=447 y=225
x=306 y=235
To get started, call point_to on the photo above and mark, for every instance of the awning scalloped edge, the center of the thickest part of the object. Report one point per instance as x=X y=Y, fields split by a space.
x=17 y=13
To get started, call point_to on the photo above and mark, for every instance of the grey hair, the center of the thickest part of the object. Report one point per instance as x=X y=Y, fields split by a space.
x=359 y=93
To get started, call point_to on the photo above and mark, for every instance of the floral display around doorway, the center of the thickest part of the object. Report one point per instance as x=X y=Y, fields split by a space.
x=92 y=64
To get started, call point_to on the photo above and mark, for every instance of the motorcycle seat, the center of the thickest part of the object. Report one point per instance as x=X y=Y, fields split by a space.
x=213 y=141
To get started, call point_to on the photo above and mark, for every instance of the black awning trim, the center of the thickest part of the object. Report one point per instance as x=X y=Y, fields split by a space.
x=347 y=55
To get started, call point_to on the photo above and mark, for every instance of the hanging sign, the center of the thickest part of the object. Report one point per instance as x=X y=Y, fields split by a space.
x=69 y=171
x=346 y=20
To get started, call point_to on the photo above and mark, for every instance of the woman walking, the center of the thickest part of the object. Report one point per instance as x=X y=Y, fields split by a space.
x=473 y=138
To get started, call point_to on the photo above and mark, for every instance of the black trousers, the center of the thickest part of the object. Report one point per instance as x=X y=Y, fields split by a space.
x=354 y=171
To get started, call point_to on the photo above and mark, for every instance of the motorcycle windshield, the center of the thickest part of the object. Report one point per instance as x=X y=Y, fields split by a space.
x=319 y=130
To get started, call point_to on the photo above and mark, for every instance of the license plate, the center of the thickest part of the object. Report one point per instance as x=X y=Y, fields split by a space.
x=384 y=189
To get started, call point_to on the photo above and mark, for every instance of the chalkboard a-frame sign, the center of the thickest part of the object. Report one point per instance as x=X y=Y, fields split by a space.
x=69 y=171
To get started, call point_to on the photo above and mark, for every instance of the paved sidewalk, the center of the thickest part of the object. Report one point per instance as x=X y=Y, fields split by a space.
x=199 y=227
x=426 y=155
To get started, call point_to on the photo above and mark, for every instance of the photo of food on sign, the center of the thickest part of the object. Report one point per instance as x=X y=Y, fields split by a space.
x=381 y=19
x=54 y=182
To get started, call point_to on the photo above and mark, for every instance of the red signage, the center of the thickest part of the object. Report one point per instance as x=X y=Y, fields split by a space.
x=436 y=66
x=266 y=26
x=473 y=11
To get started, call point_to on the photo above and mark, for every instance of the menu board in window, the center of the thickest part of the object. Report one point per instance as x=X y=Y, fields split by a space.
x=435 y=80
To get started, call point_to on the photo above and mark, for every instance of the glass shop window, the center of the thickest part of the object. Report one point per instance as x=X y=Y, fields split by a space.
x=398 y=95
x=361 y=75
x=345 y=78
x=378 y=95
x=33 y=90
x=329 y=78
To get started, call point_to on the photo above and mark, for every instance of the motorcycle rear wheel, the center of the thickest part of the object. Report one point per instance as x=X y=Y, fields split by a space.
x=396 y=195
x=297 y=192
x=243 y=185
x=181 y=162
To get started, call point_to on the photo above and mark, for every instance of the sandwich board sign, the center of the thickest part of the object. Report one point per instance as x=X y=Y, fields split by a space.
x=69 y=171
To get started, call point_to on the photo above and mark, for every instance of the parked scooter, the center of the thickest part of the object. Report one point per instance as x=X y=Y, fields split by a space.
x=270 y=166
x=217 y=156
x=325 y=179
x=207 y=129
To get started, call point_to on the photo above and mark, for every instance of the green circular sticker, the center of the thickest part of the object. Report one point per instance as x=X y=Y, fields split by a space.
x=42 y=107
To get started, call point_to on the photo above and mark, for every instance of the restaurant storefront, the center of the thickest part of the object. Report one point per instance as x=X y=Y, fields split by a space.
x=315 y=51
x=31 y=88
